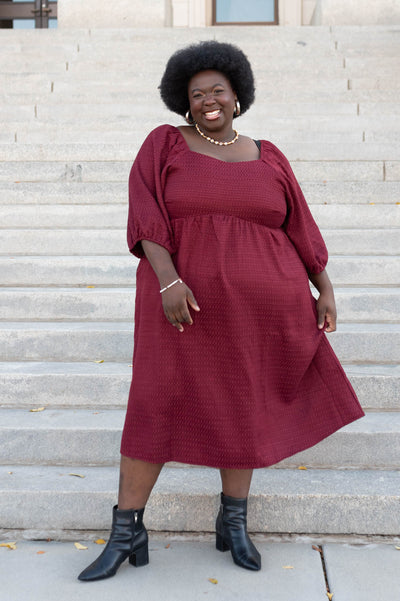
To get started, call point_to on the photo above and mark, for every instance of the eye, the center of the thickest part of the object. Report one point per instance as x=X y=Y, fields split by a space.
x=197 y=95
x=218 y=90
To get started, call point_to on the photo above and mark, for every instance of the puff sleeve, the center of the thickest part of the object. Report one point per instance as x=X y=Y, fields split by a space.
x=299 y=225
x=147 y=217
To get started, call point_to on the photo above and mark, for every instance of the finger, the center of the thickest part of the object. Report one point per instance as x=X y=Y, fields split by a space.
x=185 y=317
x=331 y=322
x=178 y=325
x=174 y=321
x=321 y=317
x=192 y=301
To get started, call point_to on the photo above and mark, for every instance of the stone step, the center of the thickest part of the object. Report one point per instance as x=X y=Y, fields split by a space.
x=365 y=305
x=278 y=113
x=113 y=242
x=38 y=135
x=281 y=500
x=133 y=120
x=118 y=171
x=115 y=216
x=92 y=341
x=107 y=193
x=81 y=271
x=101 y=151
x=106 y=385
x=133 y=113
x=92 y=437
x=55 y=90
x=67 y=135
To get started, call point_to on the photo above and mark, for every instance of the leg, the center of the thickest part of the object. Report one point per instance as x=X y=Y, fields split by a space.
x=236 y=483
x=136 y=481
x=231 y=525
x=128 y=535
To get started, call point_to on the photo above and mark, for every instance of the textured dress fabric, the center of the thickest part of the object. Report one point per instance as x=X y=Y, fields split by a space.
x=253 y=380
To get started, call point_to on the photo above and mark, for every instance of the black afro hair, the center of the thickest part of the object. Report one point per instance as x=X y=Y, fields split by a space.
x=218 y=56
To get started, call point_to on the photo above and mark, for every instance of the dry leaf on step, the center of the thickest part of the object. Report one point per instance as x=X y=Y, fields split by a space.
x=398 y=548
x=330 y=596
x=80 y=547
x=302 y=467
x=100 y=541
x=213 y=580
x=288 y=567
x=77 y=475
x=40 y=552
x=37 y=409
x=11 y=546
x=99 y=361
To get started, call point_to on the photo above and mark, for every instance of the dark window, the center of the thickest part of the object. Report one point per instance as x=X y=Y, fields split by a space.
x=19 y=14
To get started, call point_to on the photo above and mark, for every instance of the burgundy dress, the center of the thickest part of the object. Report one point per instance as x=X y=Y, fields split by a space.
x=253 y=380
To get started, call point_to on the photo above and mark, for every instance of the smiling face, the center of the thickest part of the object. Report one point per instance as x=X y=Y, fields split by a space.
x=212 y=101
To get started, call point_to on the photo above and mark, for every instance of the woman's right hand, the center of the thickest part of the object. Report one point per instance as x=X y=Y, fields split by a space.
x=175 y=302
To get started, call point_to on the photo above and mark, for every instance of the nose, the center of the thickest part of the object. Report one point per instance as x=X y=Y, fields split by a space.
x=209 y=99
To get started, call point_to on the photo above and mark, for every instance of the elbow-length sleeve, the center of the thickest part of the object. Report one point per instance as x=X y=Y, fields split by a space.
x=147 y=217
x=299 y=225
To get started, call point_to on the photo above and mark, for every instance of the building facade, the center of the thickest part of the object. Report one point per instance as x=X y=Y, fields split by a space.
x=195 y=13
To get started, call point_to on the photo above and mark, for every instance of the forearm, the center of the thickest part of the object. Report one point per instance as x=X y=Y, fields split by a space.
x=321 y=281
x=160 y=260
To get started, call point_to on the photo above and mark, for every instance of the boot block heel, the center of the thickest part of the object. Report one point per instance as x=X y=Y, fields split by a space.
x=140 y=557
x=221 y=544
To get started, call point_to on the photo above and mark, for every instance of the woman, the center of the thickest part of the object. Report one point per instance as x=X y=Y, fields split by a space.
x=231 y=366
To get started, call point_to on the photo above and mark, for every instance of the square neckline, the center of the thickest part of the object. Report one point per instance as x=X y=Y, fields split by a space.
x=214 y=158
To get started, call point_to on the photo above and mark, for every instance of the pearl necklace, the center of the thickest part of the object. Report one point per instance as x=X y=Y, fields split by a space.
x=216 y=141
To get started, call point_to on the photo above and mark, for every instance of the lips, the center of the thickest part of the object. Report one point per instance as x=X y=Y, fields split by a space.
x=211 y=115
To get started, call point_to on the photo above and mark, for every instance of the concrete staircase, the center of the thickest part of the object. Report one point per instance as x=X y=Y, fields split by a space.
x=75 y=107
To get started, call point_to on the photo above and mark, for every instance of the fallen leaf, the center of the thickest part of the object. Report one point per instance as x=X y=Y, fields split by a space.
x=330 y=596
x=99 y=361
x=302 y=467
x=90 y=286
x=398 y=203
x=100 y=541
x=95 y=412
x=288 y=567
x=398 y=548
x=11 y=546
x=317 y=549
x=40 y=552
x=80 y=547
x=10 y=472
x=168 y=546
x=37 y=409
x=213 y=580
x=371 y=203
x=77 y=475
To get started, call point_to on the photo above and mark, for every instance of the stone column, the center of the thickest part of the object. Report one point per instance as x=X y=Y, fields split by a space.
x=290 y=12
x=357 y=12
x=108 y=14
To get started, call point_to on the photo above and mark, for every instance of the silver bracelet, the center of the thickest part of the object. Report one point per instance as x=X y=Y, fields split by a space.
x=171 y=284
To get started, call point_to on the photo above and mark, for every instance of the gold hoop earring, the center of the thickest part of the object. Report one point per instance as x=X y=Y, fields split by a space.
x=236 y=112
x=188 y=118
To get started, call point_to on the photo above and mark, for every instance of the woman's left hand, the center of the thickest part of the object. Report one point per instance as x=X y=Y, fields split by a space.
x=326 y=308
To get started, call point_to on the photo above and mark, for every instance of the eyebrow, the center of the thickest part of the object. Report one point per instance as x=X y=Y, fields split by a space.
x=200 y=90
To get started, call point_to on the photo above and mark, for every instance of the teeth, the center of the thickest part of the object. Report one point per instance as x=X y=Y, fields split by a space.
x=213 y=112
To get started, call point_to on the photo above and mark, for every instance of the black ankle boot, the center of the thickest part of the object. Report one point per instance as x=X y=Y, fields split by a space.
x=231 y=528
x=128 y=539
